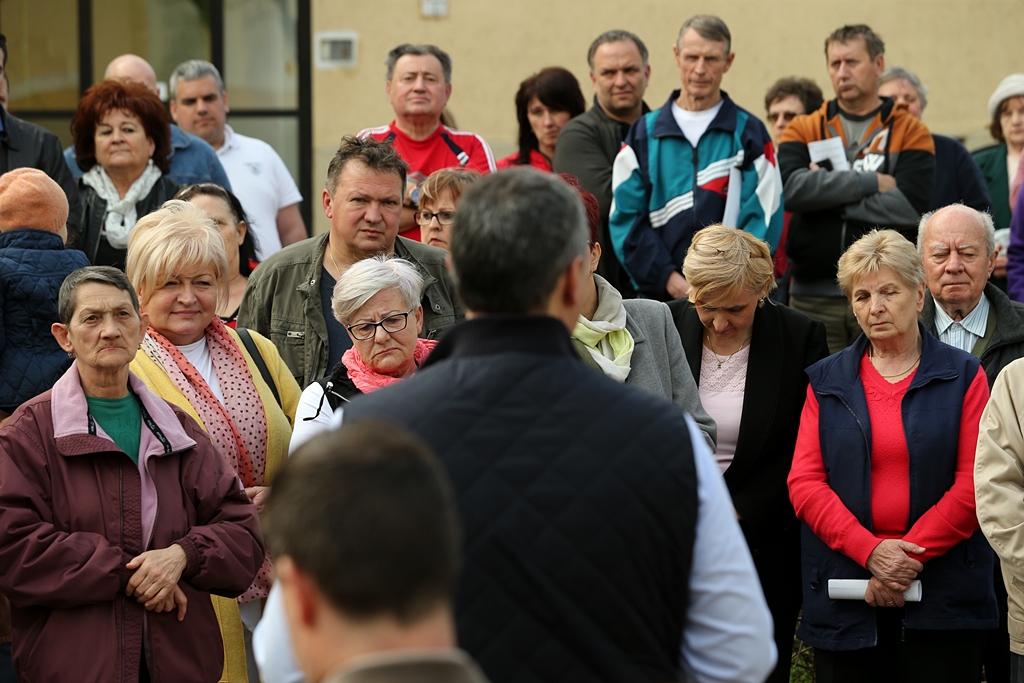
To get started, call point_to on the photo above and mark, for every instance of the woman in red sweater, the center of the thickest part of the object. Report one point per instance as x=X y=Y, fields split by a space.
x=882 y=478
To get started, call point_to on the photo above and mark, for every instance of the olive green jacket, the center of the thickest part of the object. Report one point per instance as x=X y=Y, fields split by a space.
x=282 y=302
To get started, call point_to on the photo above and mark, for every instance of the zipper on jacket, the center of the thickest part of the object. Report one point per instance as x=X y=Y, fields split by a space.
x=693 y=212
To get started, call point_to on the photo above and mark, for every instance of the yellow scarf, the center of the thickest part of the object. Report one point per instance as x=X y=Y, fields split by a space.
x=606 y=336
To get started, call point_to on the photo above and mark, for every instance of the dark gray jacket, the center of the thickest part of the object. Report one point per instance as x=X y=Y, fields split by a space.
x=1007 y=344
x=587 y=147
x=30 y=146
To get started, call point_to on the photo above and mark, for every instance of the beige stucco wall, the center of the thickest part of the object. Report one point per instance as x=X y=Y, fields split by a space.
x=960 y=48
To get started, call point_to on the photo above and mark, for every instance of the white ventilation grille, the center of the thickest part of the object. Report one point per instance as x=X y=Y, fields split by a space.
x=336 y=49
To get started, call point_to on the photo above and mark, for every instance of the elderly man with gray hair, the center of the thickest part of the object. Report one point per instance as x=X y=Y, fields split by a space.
x=418 y=85
x=259 y=178
x=720 y=170
x=957 y=175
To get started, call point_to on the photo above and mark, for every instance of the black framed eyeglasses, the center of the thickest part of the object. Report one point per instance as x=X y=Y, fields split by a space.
x=391 y=324
x=443 y=217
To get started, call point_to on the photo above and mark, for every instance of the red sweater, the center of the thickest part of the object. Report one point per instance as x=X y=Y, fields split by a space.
x=948 y=522
x=537 y=160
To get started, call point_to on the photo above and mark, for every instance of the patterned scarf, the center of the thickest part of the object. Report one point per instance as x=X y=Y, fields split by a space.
x=366 y=380
x=242 y=411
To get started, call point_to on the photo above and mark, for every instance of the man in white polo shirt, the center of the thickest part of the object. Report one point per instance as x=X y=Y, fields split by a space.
x=199 y=105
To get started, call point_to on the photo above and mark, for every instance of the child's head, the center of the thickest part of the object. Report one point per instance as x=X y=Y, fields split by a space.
x=31 y=199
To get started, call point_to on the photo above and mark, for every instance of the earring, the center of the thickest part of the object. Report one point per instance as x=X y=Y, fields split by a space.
x=71 y=354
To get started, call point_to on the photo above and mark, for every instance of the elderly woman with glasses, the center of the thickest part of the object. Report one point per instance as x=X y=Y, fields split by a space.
x=378 y=302
x=439 y=194
x=748 y=358
x=883 y=479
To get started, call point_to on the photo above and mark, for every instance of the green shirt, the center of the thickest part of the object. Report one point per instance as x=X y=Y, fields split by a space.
x=121 y=419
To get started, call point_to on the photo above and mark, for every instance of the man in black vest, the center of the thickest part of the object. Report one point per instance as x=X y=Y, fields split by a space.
x=599 y=541
x=26 y=145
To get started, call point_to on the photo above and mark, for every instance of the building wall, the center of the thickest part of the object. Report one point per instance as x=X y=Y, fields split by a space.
x=961 y=50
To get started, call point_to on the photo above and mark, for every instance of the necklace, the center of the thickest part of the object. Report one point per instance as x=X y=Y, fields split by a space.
x=718 y=359
x=898 y=374
x=330 y=252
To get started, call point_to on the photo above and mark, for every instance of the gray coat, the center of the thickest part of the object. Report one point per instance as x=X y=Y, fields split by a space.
x=658 y=364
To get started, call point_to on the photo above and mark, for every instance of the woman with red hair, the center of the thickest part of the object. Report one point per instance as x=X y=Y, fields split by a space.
x=122 y=138
x=633 y=341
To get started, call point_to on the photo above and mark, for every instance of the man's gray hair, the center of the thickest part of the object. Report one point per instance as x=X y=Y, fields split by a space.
x=613 y=36
x=708 y=27
x=984 y=219
x=514 y=235
x=104 y=275
x=419 y=51
x=190 y=71
x=369 y=277
x=898 y=73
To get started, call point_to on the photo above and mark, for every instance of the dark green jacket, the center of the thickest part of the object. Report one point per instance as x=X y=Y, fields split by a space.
x=282 y=302
x=992 y=161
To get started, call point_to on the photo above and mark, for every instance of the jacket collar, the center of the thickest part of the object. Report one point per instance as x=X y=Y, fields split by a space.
x=936 y=364
x=1008 y=323
x=316 y=264
x=888 y=107
x=489 y=335
x=665 y=123
x=70 y=415
x=29 y=238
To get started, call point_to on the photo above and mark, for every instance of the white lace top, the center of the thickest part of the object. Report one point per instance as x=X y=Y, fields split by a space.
x=722 y=380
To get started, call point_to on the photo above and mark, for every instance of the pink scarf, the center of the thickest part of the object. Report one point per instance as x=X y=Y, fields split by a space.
x=366 y=380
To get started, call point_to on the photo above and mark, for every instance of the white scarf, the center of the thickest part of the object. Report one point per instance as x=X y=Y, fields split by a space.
x=606 y=336
x=121 y=216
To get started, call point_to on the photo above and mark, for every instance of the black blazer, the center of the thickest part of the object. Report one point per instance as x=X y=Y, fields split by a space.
x=783 y=344
x=30 y=146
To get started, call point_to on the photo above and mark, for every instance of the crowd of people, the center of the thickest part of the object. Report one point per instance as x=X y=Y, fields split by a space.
x=641 y=401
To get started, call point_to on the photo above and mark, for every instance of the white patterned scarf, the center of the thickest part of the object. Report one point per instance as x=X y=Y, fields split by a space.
x=606 y=336
x=121 y=216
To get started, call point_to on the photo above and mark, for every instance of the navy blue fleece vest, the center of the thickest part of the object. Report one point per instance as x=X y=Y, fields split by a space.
x=957 y=587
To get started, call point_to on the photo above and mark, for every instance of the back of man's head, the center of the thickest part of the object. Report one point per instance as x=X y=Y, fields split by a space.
x=133 y=68
x=514 y=235
x=368 y=514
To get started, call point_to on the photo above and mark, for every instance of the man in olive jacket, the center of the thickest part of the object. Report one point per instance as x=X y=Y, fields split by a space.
x=288 y=298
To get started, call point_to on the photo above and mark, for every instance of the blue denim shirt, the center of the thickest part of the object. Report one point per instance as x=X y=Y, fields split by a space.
x=192 y=161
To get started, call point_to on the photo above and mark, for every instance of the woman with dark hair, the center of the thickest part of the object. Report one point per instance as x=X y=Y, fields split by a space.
x=122 y=138
x=544 y=104
x=239 y=242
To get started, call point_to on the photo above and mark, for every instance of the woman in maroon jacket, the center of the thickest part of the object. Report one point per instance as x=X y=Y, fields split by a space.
x=117 y=516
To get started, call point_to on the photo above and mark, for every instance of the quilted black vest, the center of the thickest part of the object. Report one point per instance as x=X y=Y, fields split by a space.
x=578 y=502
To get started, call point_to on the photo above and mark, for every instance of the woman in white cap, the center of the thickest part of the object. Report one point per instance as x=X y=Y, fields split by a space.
x=999 y=162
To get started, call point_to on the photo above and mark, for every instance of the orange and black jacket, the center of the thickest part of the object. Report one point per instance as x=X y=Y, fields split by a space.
x=832 y=209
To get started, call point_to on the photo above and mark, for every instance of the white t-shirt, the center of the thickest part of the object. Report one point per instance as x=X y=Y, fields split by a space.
x=692 y=123
x=261 y=182
x=198 y=354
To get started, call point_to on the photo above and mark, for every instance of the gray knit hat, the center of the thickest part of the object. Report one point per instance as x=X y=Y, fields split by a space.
x=1011 y=86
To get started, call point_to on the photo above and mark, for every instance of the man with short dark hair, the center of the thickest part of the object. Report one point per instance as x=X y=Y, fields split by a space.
x=418 y=85
x=600 y=541
x=26 y=145
x=958 y=178
x=259 y=178
x=192 y=159
x=589 y=143
x=366 y=542
x=721 y=163
x=882 y=177
x=288 y=298
x=788 y=98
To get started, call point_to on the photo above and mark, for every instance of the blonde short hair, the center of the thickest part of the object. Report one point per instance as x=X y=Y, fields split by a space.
x=176 y=237
x=880 y=249
x=723 y=260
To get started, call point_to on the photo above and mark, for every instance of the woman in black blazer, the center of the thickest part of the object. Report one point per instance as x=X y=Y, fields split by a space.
x=752 y=354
